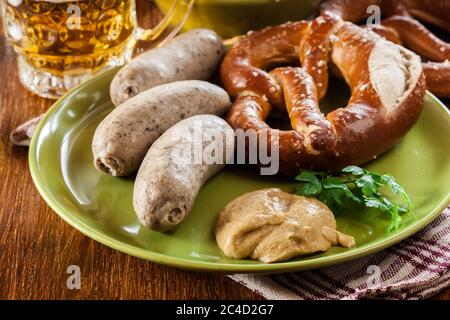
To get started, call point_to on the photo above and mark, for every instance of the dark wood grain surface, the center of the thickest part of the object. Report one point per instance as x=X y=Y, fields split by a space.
x=36 y=246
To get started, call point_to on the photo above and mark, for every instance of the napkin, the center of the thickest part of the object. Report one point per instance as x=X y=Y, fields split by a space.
x=416 y=268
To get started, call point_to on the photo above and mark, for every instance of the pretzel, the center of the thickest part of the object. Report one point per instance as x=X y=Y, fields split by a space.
x=431 y=11
x=387 y=82
x=401 y=19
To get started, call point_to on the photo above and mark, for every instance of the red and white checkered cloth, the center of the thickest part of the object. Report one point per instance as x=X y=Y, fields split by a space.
x=416 y=268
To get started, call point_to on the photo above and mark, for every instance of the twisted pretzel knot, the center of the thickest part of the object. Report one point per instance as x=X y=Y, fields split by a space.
x=381 y=110
x=400 y=26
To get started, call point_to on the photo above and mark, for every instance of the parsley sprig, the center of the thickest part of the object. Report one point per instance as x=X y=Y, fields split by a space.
x=355 y=185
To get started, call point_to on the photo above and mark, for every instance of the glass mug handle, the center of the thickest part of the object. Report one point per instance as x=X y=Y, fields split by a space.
x=180 y=9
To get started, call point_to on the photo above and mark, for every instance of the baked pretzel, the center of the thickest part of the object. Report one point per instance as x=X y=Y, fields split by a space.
x=434 y=12
x=387 y=82
x=400 y=24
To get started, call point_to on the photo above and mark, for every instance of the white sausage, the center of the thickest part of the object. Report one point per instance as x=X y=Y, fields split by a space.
x=193 y=55
x=168 y=181
x=123 y=138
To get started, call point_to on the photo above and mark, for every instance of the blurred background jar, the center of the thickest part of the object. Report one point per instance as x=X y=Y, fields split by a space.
x=234 y=17
x=61 y=43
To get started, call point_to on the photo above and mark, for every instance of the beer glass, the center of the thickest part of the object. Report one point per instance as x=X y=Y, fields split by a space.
x=60 y=43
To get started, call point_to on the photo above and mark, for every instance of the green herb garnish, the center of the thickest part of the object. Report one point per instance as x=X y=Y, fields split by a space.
x=355 y=185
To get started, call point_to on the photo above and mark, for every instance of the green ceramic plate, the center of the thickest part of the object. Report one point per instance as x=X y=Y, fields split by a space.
x=101 y=207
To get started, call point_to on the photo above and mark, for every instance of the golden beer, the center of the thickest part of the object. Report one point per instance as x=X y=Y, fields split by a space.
x=60 y=42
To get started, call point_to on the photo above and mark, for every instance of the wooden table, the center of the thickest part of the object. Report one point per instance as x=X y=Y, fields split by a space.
x=36 y=246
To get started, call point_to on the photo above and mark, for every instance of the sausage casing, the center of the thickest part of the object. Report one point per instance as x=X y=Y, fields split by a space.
x=193 y=55
x=170 y=178
x=123 y=138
